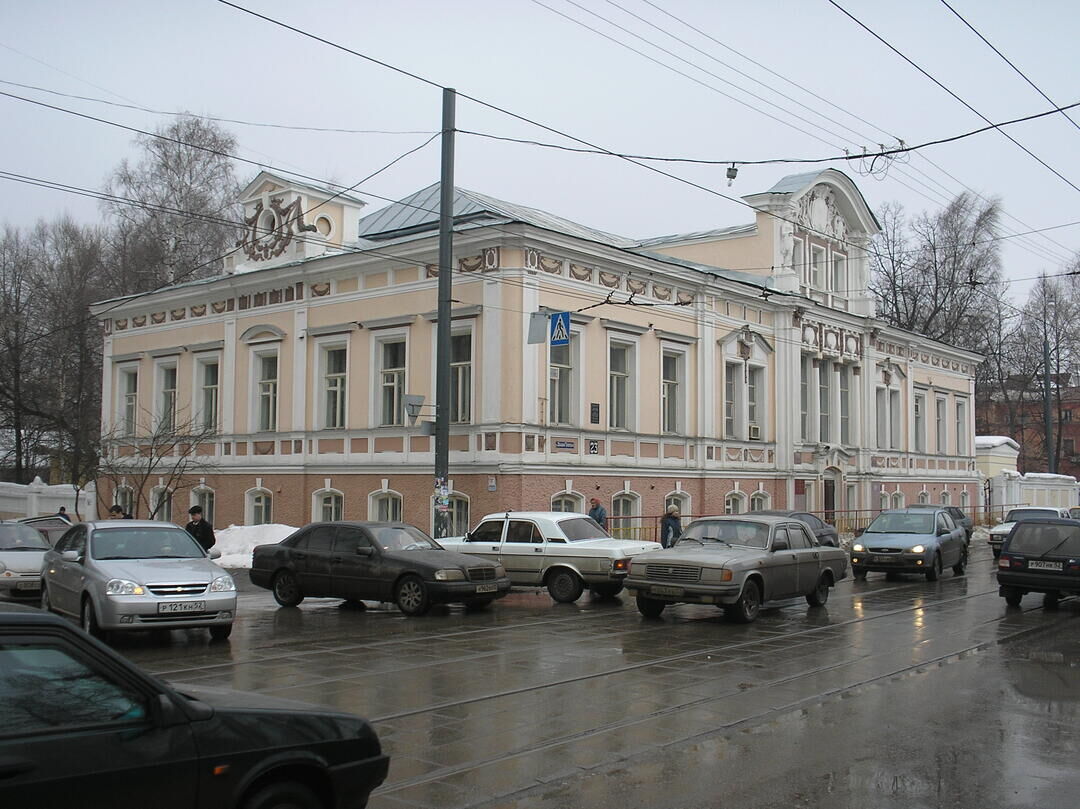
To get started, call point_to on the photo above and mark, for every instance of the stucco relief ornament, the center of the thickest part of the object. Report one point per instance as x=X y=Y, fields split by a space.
x=817 y=210
x=261 y=243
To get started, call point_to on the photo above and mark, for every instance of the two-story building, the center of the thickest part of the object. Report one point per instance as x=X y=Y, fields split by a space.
x=734 y=369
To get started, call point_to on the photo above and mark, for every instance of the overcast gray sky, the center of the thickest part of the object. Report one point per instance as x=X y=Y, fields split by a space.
x=208 y=58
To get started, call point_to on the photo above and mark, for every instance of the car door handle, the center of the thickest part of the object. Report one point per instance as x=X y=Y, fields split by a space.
x=299 y=555
x=494 y=547
x=11 y=766
x=335 y=560
x=538 y=550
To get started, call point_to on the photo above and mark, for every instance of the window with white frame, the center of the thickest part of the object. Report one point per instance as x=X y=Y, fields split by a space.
x=386 y=507
x=894 y=419
x=392 y=383
x=838 y=281
x=961 y=427
x=919 y=417
x=461 y=378
x=458 y=515
x=334 y=386
x=204 y=498
x=898 y=500
x=825 y=401
x=806 y=364
x=330 y=505
x=883 y=501
x=129 y=400
x=735 y=503
x=798 y=261
x=266 y=414
x=924 y=498
x=881 y=413
x=568 y=503
x=261 y=507
x=208 y=380
x=817 y=266
x=941 y=424
x=946 y=498
x=844 y=381
x=624 y=510
x=562 y=383
x=161 y=504
x=759 y=501
x=680 y=500
x=733 y=399
x=755 y=401
x=620 y=387
x=166 y=415
x=965 y=499
x=671 y=391
x=124 y=496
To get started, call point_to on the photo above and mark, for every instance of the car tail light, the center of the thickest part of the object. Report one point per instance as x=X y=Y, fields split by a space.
x=1003 y=561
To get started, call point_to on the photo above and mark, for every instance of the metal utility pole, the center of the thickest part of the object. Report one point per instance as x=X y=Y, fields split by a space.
x=1048 y=427
x=442 y=350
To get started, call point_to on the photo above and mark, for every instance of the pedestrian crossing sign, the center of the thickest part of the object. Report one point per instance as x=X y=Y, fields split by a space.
x=560 y=329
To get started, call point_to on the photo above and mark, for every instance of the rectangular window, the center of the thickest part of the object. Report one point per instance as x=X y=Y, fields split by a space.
x=1069 y=446
x=205 y=499
x=208 y=394
x=817 y=266
x=894 y=419
x=798 y=261
x=838 y=282
x=845 y=404
x=920 y=422
x=882 y=414
x=824 y=401
x=961 y=427
x=670 y=392
x=262 y=509
x=393 y=383
x=334 y=388
x=561 y=384
x=805 y=365
x=129 y=386
x=755 y=401
x=732 y=380
x=941 y=425
x=268 y=393
x=461 y=379
x=619 y=386
x=167 y=414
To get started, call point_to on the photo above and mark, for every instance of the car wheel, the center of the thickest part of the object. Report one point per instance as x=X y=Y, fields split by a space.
x=88 y=620
x=820 y=594
x=959 y=567
x=1051 y=601
x=606 y=590
x=1013 y=596
x=220 y=632
x=650 y=607
x=565 y=586
x=283 y=795
x=858 y=572
x=411 y=596
x=934 y=573
x=748 y=606
x=287 y=589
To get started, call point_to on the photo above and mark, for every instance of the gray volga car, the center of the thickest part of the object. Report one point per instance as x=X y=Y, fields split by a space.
x=137 y=574
x=21 y=551
x=737 y=562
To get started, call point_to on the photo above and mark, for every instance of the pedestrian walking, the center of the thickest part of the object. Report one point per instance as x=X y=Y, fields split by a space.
x=598 y=512
x=199 y=528
x=670 y=526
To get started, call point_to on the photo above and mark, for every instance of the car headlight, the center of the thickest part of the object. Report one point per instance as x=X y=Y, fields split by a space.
x=500 y=571
x=858 y=548
x=223 y=584
x=450 y=574
x=620 y=565
x=716 y=574
x=123 y=587
x=919 y=549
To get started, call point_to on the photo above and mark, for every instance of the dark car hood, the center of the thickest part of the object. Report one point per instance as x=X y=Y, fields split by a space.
x=439 y=558
x=228 y=699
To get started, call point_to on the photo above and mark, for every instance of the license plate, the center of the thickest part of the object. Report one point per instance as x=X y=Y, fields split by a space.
x=1037 y=565
x=28 y=585
x=487 y=588
x=181 y=606
x=663 y=590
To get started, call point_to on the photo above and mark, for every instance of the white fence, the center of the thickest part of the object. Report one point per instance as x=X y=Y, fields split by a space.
x=1034 y=489
x=39 y=498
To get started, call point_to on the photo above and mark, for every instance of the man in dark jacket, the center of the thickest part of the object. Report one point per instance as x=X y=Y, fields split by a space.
x=670 y=526
x=598 y=512
x=200 y=528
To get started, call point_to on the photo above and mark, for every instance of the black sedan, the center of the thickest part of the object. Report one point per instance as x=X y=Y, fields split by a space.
x=1040 y=556
x=825 y=533
x=84 y=727
x=375 y=561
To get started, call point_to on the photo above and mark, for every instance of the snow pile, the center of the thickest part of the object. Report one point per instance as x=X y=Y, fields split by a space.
x=237 y=541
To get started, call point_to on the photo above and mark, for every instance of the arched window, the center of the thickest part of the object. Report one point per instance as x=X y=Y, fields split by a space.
x=759 y=501
x=946 y=498
x=965 y=500
x=204 y=498
x=260 y=507
x=680 y=500
x=124 y=496
x=161 y=504
x=329 y=505
x=735 y=503
x=924 y=498
x=386 y=507
x=458 y=515
x=568 y=503
x=623 y=522
x=883 y=503
x=898 y=500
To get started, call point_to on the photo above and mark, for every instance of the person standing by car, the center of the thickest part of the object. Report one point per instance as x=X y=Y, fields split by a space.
x=670 y=526
x=598 y=512
x=200 y=528
x=116 y=512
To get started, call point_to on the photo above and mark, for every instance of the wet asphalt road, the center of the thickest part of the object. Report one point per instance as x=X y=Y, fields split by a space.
x=896 y=694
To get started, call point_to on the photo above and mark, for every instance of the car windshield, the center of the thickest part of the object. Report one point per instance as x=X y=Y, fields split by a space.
x=728 y=532
x=144 y=543
x=1018 y=514
x=578 y=529
x=21 y=538
x=1034 y=540
x=404 y=538
x=902 y=523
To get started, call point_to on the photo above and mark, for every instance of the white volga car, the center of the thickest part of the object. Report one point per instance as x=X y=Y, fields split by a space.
x=563 y=551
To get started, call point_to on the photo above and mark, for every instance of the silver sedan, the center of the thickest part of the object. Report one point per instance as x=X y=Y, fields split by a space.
x=136 y=574
x=21 y=551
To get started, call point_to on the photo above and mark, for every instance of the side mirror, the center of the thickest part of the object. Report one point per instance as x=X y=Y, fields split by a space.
x=780 y=545
x=860 y=531
x=70 y=556
x=468 y=536
x=215 y=553
x=942 y=532
x=365 y=550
